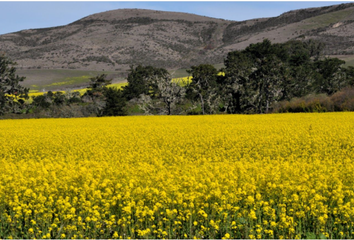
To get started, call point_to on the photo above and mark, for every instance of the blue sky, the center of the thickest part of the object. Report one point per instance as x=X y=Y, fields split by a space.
x=16 y=16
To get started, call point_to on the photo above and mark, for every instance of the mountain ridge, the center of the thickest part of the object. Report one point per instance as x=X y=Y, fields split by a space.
x=115 y=39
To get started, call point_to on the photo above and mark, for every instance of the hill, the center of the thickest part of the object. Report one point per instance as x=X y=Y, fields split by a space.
x=114 y=40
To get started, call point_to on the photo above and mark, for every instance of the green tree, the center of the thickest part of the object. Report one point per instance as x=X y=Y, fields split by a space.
x=299 y=73
x=204 y=85
x=171 y=93
x=143 y=80
x=96 y=87
x=295 y=52
x=59 y=98
x=235 y=84
x=115 y=103
x=266 y=81
x=99 y=82
x=349 y=72
x=315 y=48
x=259 y=51
x=95 y=94
x=42 y=101
x=11 y=92
x=331 y=76
x=72 y=97
x=267 y=75
x=299 y=82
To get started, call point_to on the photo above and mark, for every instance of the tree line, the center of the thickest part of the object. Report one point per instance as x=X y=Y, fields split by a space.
x=258 y=79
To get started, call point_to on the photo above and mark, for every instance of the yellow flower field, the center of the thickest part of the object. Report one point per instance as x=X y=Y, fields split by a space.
x=235 y=176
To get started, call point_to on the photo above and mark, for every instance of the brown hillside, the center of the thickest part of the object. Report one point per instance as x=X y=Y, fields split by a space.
x=114 y=40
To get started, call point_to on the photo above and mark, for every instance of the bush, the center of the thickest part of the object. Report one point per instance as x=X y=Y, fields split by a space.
x=340 y=101
x=344 y=100
x=309 y=103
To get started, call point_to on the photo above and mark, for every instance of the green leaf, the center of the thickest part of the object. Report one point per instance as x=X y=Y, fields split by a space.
x=311 y=235
x=322 y=236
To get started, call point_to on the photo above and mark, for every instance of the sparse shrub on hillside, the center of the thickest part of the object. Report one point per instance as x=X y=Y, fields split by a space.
x=98 y=59
x=208 y=31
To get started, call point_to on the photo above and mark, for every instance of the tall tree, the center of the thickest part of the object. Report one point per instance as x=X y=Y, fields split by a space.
x=349 y=72
x=258 y=51
x=171 y=93
x=266 y=80
x=11 y=91
x=331 y=76
x=236 y=87
x=95 y=94
x=97 y=86
x=267 y=75
x=299 y=82
x=315 y=48
x=99 y=82
x=204 y=84
x=143 y=80
x=115 y=103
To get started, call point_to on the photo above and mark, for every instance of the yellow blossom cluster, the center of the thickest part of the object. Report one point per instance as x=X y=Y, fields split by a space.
x=224 y=176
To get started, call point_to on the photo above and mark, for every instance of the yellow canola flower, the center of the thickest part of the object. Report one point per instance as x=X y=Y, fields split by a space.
x=235 y=176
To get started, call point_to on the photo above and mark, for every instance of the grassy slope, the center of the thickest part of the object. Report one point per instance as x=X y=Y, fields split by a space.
x=349 y=60
x=326 y=19
x=60 y=79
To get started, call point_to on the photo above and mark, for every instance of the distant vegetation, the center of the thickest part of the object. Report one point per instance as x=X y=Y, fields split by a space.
x=264 y=78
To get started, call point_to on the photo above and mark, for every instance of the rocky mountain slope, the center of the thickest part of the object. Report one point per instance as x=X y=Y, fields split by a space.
x=115 y=39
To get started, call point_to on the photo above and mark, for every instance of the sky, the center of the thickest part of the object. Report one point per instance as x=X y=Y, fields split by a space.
x=16 y=16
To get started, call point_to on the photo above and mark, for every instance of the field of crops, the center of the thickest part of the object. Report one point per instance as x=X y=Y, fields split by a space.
x=34 y=93
x=235 y=176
